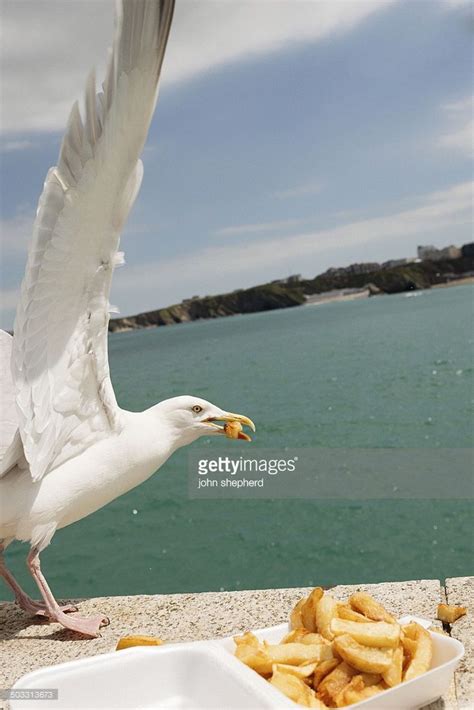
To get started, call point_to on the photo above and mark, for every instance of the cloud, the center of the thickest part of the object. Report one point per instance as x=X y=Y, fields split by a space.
x=15 y=234
x=48 y=48
x=11 y=146
x=461 y=140
x=311 y=188
x=460 y=136
x=461 y=106
x=242 y=229
x=453 y=4
x=232 y=265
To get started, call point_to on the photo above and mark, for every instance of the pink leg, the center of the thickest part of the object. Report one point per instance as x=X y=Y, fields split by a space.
x=21 y=598
x=87 y=626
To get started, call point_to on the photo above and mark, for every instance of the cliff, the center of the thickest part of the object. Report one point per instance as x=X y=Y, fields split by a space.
x=406 y=277
x=251 y=300
x=267 y=297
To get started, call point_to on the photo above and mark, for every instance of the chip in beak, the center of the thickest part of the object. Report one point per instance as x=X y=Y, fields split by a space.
x=233 y=425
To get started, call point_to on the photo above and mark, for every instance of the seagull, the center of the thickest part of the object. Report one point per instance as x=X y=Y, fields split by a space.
x=66 y=447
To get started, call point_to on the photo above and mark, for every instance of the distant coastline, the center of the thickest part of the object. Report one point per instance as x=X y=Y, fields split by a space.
x=357 y=294
x=463 y=281
x=448 y=267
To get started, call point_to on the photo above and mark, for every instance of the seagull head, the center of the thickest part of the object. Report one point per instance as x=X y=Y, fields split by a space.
x=191 y=417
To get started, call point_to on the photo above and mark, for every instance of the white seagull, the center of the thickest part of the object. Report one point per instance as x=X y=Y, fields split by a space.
x=66 y=447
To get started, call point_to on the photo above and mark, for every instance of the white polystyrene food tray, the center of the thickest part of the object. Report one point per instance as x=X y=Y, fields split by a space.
x=205 y=675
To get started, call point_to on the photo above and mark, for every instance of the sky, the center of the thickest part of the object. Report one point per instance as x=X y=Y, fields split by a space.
x=290 y=136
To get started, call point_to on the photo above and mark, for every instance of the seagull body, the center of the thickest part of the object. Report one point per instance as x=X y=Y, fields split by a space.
x=66 y=447
x=33 y=511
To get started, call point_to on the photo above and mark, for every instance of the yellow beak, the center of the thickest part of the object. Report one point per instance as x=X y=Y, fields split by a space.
x=230 y=417
x=238 y=418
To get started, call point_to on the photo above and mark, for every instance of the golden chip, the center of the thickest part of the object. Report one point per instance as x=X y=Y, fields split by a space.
x=378 y=634
x=296 y=635
x=449 y=614
x=256 y=658
x=296 y=622
x=410 y=631
x=130 y=641
x=357 y=691
x=363 y=658
x=326 y=610
x=232 y=429
x=299 y=671
x=371 y=678
x=315 y=638
x=330 y=687
x=296 y=689
x=304 y=636
x=298 y=653
x=323 y=669
x=422 y=652
x=247 y=639
x=368 y=606
x=344 y=611
x=308 y=610
x=393 y=675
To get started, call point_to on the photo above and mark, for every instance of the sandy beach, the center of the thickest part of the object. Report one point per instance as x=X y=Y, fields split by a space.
x=457 y=282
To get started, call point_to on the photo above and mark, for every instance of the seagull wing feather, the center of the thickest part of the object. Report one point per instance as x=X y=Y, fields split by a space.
x=10 y=442
x=65 y=400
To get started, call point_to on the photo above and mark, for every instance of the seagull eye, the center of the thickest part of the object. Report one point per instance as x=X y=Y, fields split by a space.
x=197 y=409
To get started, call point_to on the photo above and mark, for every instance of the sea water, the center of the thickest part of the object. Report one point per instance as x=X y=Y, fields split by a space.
x=390 y=371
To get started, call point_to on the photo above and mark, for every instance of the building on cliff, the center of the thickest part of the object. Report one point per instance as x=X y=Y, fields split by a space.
x=391 y=263
x=292 y=280
x=432 y=253
x=363 y=268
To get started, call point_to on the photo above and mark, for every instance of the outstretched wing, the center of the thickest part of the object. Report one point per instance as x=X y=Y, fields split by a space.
x=11 y=449
x=65 y=399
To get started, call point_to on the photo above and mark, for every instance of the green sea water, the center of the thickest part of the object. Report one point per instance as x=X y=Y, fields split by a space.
x=389 y=371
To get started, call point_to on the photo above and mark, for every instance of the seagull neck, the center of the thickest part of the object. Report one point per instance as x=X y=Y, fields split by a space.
x=168 y=434
x=147 y=443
